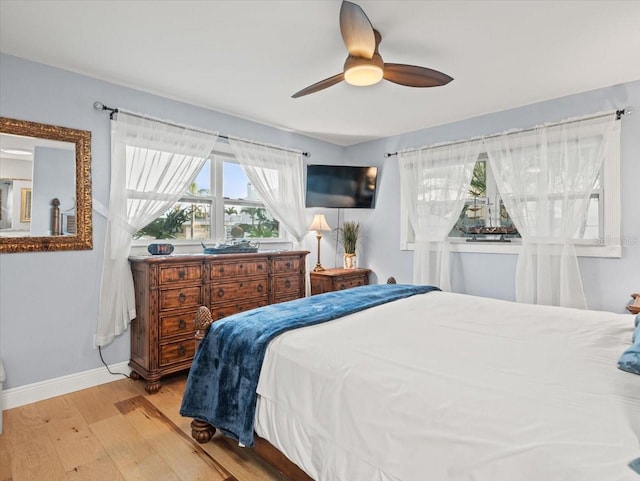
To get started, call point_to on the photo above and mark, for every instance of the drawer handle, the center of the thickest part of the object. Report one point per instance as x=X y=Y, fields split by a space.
x=342 y=286
x=221 y=269
x=260 y=288
x=220 y=292
x=259 y=267
x=182 y=324
x=241 y=266
x=220 y=315
x=181 y=274
x=287 y=265
x=241 y=284
x=182 y=350
x=359 y=283
x=182 y=297
x=287 y=283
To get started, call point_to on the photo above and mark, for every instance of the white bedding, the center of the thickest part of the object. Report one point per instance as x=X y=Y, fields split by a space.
x=449 y=387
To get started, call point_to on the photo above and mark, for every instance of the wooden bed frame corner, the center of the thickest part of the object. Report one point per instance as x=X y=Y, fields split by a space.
x=202 y=431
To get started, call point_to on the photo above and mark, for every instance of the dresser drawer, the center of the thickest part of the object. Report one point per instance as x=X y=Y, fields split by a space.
x=177 y=324
x=285 y=285
x=287 y=264
x=178 y=351
x=238 y=290
x=287 y=297
x=180 y=297
x=346 y=283
x=224 y=310
x=181 y=273
x=249 y=267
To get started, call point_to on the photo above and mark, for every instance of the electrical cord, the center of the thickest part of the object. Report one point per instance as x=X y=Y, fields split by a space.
x=105 y=365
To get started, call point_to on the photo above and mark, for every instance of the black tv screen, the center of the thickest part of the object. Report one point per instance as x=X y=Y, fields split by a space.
x=341 y=186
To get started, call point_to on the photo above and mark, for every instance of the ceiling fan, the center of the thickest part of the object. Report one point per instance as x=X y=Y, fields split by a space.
x=364 y=65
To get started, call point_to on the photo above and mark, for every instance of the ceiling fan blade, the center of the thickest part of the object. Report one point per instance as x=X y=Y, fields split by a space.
x=323 y=84
x=413 y=76
x=357 y=31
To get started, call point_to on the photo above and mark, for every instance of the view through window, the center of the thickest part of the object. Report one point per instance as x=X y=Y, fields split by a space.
x=221 y=204
x=485 y=217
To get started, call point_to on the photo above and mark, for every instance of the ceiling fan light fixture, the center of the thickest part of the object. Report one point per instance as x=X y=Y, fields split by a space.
x=362 y=72
x=363 y=75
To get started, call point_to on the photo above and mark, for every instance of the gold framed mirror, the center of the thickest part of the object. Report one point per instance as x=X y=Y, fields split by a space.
x=60 y=168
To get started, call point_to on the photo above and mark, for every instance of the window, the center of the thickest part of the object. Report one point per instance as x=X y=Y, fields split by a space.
x=484 y=216
x=220 y=204
x=481 y=221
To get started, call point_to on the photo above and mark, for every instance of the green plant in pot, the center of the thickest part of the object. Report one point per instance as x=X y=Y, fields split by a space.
x=350 y=233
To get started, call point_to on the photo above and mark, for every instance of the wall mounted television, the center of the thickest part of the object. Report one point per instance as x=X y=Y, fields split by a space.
x=341 y=186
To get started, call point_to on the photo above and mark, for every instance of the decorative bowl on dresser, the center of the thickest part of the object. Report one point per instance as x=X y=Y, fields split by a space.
x=170 y=289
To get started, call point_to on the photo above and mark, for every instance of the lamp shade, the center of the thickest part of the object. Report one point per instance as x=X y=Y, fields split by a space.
x=319 y=223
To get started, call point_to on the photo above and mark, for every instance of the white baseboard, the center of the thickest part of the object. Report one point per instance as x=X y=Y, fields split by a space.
x=19 y=396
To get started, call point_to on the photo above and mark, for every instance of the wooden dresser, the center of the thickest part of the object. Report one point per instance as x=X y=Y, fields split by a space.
x=337 y=279
x=169 y=290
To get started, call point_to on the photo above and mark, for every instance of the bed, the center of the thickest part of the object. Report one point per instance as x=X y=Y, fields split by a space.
x=439 y=386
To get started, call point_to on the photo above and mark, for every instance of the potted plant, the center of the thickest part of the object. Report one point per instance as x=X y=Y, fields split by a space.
x=349 y=233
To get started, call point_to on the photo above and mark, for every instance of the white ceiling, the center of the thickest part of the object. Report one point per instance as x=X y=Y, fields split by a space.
x=247 y=58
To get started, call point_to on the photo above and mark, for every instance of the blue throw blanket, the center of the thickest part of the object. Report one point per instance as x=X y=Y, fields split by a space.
x=221 y=388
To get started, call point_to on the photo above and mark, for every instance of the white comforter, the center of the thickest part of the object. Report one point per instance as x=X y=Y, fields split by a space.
x=449 y=387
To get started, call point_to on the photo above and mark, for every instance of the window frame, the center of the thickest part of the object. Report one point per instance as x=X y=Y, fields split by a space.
x=609 y=246
x=222 y=153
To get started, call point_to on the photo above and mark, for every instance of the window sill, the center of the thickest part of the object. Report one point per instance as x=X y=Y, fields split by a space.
x=513 y=247
x=195 y=247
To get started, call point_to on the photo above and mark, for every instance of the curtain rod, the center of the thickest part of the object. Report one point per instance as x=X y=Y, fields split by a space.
x=112 y=111
x=618 y=113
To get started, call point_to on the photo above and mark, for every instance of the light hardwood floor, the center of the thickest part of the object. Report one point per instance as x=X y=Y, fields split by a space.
x=118 y=432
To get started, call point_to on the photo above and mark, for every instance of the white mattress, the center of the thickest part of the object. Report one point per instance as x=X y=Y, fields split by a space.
x=448 y=387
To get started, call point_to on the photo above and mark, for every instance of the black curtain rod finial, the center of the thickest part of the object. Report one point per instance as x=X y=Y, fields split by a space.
x=624 y=111
x=102 y=107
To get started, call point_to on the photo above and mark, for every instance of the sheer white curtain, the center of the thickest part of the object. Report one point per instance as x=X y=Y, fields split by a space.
x=277 y=175
x=545 y=177
x=152 y=165
x=434 y=183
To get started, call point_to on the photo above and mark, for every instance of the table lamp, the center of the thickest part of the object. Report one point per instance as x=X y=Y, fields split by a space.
x=319 y=224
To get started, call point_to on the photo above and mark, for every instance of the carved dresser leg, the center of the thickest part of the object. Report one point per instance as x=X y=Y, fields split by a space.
x=135 y=376
x=152 y=387
x=202 y=431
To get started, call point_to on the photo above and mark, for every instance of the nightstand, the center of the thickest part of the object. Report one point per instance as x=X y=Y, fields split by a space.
x=338 y=279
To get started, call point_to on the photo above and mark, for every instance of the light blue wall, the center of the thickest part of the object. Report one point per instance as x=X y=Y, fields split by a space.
x=607 y=282
x=49 y=301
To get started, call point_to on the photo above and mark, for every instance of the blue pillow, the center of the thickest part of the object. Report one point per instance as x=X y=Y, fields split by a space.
x=630 y=359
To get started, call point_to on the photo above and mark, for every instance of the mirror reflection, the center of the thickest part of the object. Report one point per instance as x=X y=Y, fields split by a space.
x=34 y=172
x=45 y=187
